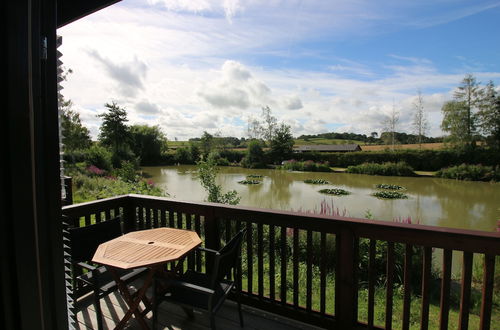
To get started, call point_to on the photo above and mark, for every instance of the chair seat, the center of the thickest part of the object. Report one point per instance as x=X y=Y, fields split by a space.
x=106 y=282
x=198 y=300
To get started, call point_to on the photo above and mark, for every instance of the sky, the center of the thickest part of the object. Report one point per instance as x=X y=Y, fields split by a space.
x=321 y=66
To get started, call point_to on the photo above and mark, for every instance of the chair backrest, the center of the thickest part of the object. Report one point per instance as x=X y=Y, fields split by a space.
x=83 y=241
x=227 y=257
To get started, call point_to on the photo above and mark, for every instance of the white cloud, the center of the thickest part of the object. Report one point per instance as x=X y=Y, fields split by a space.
x=191 y=66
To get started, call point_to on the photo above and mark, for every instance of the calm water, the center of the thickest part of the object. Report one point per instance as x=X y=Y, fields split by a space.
x=431 y=201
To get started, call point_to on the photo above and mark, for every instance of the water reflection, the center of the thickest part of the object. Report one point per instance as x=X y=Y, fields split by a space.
x=431 y=201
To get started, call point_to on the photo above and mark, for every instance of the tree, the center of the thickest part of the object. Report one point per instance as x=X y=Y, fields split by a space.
x=254 y=128
x=254 y=157
x=469 y=93
x=390 y=123
x=74 y=134
x=148 y=143
x=206 y=143
x=420 y=122
x=269 y=124
x=207 y=173
x=114 y=134
x=282 y=143
x=455 y=123
x=489 y=115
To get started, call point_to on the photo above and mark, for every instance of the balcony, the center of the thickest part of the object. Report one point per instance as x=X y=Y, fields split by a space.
x=324 y=271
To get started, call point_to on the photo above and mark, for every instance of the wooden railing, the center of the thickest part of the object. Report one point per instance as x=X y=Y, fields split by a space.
x=313 y=268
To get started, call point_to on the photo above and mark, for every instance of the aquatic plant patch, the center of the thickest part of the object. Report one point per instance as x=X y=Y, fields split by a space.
x=389 y=186
x=254 y=176
x=316 y=181
x=335 y=192
x=249 y=182
x=390 y=195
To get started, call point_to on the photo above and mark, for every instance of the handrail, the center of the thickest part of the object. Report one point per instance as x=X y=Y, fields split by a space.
x=278 y=237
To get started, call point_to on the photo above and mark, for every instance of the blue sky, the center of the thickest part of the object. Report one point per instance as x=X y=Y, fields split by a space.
x=207 y=65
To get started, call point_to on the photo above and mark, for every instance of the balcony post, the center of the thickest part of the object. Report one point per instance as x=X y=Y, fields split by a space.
x=212 y=239
x=345 y=283
x=129 y=221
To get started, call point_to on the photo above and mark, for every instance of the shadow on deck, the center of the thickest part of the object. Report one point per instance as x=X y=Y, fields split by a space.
x=172 y=317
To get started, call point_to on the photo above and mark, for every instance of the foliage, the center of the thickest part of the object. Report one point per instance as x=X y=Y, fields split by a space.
x=215 y=157
x=308 y=165
x=420 y=123
x=281 y=143
x=115 y=135
x=316 y=181
x=389 y=186
x=74 y=134
x=207 y=172
x=460 y=116
x=87 y=187
x=250 y=182
x=206 y=143
x=269 y=124
x=127 y=172
x=422 y=160
x=254 y=157
x=389 y=194
x=388 y=168
x=471 y=173
x=183 y=156
x=335 y=191
x=99 y=156
x=148 y=143
x=489 y=116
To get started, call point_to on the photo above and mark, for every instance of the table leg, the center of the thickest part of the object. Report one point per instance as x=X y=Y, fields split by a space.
x=131 y=302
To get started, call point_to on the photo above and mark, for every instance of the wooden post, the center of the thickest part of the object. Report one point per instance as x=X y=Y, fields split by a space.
x=212 y=239
x=129 y=220
x=344 y=286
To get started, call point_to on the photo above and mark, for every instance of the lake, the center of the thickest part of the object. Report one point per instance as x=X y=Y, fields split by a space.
x=431 y=201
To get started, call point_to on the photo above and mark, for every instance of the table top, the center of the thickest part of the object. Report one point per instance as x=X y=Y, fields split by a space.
x=146 y=247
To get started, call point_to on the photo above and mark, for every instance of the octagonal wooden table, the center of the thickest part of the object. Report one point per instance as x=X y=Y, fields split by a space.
x=151 y=248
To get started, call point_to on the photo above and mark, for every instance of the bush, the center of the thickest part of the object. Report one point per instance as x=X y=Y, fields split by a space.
x=470 y=172
x=388 y=169
x=254 y=157
x=99 y=157
x=127 y=172
x=422 y=160
x=183 y=156
x=309 y=165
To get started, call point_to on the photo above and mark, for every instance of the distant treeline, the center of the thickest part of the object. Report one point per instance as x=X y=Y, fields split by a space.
x=402 y=138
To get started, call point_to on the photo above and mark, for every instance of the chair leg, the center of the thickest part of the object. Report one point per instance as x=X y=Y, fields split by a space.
x=212 y=321
x=239 y=310
x=98 y=311
x=155 y=303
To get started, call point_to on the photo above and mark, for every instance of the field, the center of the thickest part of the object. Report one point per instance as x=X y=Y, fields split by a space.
x=427 y=146
x=318 y=141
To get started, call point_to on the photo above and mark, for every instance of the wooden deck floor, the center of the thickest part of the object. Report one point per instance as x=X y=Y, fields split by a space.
x=172 y=317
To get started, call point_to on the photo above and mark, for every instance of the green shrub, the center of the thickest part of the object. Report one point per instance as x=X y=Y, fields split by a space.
x=422 y=160
x=127 y=172
x=470 y=173
x=388 y=168
x=308 y=165
x=100 y=157
x=183 y=156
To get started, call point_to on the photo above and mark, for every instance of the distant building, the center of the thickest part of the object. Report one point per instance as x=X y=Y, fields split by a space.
x=328 y=148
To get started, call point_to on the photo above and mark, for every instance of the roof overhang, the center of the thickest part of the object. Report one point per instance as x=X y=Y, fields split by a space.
x=71 y=10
